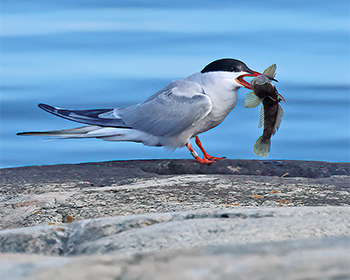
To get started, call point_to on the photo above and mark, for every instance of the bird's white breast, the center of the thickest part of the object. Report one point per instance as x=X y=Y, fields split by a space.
x=222 y=90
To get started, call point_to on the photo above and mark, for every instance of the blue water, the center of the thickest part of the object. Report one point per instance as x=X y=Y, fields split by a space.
x=98 y=54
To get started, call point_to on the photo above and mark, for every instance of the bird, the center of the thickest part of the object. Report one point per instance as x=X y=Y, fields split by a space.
x=168 y=118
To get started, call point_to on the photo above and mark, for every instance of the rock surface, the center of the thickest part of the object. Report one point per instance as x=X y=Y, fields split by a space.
x=176 y=219
x=156 y=232
x=326 y=258
x=43 y=195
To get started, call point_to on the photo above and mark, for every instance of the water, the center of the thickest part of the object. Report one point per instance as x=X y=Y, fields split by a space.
x=98 y=54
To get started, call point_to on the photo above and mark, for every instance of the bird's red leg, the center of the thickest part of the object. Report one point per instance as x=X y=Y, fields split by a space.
x=195 y=155
x=205 y=154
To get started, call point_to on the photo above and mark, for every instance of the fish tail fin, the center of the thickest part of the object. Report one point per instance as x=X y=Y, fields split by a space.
x=262 y=146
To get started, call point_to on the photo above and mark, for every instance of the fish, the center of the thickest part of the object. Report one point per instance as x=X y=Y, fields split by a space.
x=271 y=113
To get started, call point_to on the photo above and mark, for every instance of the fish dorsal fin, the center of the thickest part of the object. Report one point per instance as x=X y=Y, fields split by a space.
x=270 y=71
x=261 y=116
x=280 y=97
x=251 y=100
x=279 y=117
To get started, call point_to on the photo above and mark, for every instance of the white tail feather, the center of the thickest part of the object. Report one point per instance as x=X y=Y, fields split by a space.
x=81 y=132
x=61 y=133
x=104 y=133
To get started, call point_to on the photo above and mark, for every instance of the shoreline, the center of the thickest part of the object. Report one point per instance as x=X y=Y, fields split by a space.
x=170 y=159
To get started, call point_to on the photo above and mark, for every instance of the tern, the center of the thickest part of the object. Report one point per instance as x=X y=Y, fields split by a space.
x=170 y=117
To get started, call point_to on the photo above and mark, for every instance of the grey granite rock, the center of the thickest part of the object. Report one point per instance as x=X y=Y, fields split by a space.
x=316 y=259
x=176 y=219
x=43 y=195
x=156 y=232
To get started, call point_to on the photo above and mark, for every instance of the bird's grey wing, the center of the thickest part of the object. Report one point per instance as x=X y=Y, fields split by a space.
x=168 y=112
x=100 y=117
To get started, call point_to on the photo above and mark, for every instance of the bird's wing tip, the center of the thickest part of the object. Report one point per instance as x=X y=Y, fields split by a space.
x=46 y=107
x=26 y=133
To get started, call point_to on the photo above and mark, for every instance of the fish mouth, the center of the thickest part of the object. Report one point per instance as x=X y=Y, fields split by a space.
x=247 y=85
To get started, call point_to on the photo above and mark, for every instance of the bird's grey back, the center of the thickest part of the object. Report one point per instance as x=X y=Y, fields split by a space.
x=169 y=111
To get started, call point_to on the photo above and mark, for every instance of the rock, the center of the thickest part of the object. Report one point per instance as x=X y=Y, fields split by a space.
x=326 y=258
x=177 y=230
x=42 y=195
x=176 y=219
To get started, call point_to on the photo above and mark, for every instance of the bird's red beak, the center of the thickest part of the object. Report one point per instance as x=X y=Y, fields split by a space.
x=245 y=83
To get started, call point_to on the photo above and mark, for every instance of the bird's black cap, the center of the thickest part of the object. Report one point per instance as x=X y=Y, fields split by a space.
x=227 y=65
